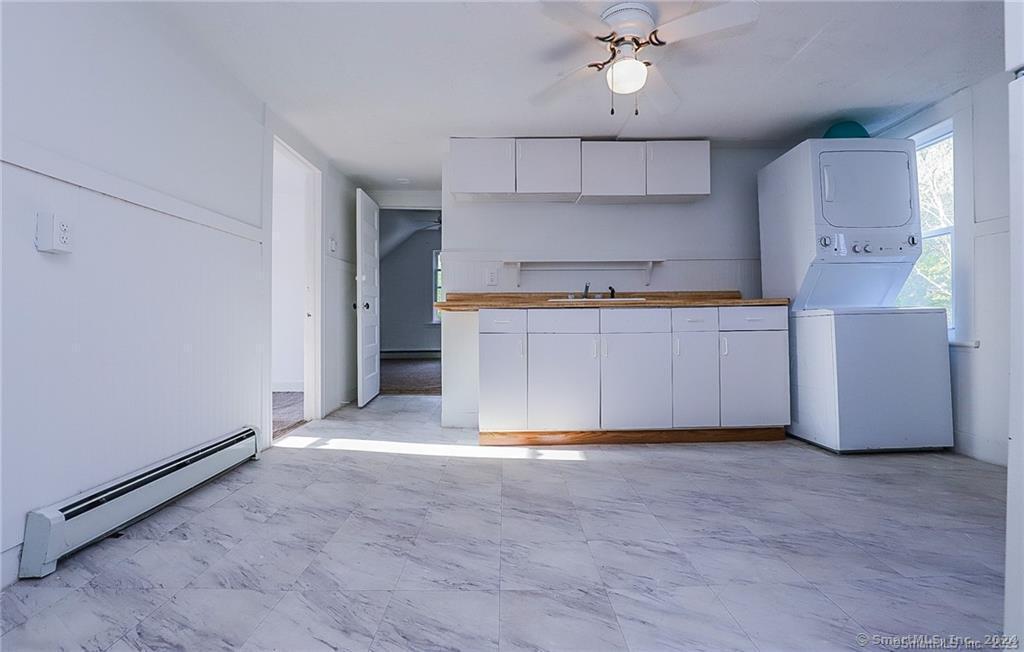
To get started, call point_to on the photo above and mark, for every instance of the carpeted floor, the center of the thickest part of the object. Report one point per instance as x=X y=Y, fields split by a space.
x=408 y=376
x=287 y=412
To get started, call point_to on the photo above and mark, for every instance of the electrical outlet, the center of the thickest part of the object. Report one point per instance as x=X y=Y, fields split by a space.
x=53 y=234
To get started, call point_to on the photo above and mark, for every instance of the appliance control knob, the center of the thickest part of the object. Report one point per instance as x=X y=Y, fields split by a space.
x=825 y=241
x=856 y=249
x=867 y=249
x=912 y=240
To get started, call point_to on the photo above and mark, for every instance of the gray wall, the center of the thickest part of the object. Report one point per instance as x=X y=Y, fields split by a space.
x=406 y=304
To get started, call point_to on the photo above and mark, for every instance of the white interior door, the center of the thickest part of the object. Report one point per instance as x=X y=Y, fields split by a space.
x=367 y=297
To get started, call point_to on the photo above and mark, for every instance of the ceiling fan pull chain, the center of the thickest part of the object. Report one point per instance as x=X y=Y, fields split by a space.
x=636 y=104
x=611 y=92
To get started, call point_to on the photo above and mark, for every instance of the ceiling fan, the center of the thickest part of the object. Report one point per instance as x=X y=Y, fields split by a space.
x=627 y=29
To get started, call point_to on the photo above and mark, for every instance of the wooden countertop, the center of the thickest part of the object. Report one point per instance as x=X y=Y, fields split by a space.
x=470 y=301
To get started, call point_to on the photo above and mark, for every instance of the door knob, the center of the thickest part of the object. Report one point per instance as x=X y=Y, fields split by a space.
x=366 y=305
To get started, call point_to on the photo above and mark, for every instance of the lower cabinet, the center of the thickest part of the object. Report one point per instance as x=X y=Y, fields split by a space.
x=695 y=383
x=636 y=381
x=563 y=369
x=502 y=381
x=564 y=381
x=754 y=378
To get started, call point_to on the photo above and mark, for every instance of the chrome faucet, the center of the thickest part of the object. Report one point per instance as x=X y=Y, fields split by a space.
x=586 y=290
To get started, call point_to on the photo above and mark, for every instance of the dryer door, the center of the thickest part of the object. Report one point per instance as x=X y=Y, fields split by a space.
x=866 y=189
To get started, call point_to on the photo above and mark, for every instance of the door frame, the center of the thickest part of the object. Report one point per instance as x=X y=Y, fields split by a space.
x=312 y=339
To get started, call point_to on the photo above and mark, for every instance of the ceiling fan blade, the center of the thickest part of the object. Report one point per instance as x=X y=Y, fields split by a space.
x=573 y=15
x=571 y=47
x=718 y=18
x=562 y=86
x=659 y=92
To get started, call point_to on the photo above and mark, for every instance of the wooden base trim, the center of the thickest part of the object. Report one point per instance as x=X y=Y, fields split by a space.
x=576 y=437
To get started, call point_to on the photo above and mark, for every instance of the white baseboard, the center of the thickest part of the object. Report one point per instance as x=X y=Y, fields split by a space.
x=287 y=386
x=9 y=561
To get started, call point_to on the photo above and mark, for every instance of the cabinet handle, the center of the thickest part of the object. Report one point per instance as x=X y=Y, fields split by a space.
x=675 y=348
x=522 y=348
x=502 y=321
x=725 y=346
x=511 y=146
x=519 y=151
x=604 y=347
x=755 y=318
x=691 y=320
x=594 y=352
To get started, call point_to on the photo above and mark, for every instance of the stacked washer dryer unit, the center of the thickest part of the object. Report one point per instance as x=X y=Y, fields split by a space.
x=840 y=232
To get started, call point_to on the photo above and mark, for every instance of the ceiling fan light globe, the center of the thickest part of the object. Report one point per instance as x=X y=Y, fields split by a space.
x=626 y=76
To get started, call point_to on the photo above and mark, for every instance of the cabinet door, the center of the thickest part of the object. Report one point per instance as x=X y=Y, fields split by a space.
x=755 y=378
x=695 y=383
x=564 y=374
x=636 y=381
x=482 y=165
x=614 y=169
x=866 y=188
x=502 y=381
x=548 y=166
x=678 y=167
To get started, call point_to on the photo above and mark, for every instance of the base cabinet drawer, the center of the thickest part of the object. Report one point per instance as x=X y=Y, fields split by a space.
x=754 y=378
x=695 y=382
x=503 y=380
x=636 y=381
x=753 y=318
x=564 y=374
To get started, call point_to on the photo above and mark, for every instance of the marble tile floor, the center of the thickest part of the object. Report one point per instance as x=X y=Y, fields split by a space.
x=377 y=529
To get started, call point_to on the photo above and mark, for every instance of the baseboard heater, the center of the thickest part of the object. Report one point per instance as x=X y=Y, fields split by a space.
x=61 y=529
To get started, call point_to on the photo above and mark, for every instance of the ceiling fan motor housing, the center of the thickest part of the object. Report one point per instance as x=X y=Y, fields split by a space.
x=629 y=19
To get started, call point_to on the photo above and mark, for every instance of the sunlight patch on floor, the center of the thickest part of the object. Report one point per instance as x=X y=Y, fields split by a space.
x=438 y=450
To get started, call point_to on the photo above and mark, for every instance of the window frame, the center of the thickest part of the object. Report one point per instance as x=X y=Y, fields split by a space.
x=436 y=288
x=923 y=139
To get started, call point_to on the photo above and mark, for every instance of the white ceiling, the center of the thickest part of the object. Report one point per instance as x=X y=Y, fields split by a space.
x=380 y=86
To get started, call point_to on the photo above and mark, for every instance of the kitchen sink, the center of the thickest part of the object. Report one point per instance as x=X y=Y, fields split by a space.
x=596 y=299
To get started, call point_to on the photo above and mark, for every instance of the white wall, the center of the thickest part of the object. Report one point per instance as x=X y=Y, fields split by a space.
x=707 y=244
x=406 y=295
x=154 y=334
x=981 y=262
x=288 y=272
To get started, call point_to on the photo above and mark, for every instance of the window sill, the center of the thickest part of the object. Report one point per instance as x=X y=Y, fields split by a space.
x=965 y=344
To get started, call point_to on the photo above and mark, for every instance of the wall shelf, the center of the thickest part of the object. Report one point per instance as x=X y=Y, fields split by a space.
x=646 y=267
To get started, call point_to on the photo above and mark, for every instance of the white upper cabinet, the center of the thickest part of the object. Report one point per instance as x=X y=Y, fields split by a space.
x=678 y=168
x=548 y=167
x=614 y=171
x=482 y=166
x=567 y=169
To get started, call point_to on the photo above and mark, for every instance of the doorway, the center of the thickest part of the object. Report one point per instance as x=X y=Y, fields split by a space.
x=295 y=290
x=411 y=270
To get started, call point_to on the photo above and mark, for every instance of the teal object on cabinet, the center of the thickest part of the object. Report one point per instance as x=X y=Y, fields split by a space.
x=847 y=129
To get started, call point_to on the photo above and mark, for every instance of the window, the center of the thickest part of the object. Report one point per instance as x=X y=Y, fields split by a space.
x=931 y=282
x=438 y=293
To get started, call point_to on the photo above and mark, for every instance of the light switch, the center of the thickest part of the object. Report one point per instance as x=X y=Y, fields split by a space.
x=53 y=234
x=491 y=275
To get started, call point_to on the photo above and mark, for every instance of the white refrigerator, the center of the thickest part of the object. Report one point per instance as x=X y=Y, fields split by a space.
x=1014 y=602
